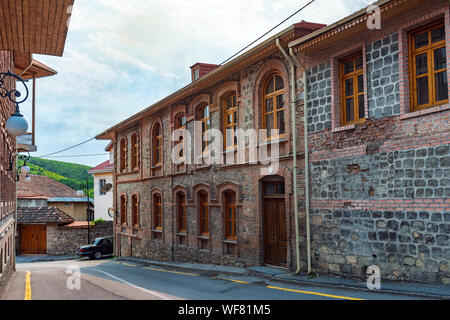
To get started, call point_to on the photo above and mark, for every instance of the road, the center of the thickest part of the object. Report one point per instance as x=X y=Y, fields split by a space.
x=116 y=280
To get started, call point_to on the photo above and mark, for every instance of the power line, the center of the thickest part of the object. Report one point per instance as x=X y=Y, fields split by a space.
x=269 y=31
x=77 y=145
x=77 y=156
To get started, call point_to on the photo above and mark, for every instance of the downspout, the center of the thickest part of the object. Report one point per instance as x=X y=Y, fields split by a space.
x=305 y=125
x=294 y=151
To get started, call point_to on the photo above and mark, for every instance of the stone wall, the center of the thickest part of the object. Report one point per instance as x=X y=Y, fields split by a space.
x=65 y=240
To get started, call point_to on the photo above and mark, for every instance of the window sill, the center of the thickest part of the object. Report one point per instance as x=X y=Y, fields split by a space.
x=157 y=230
x=182 y=234
x=230 y=241
x=419 y=113
x=204 y=237
x=344 y=128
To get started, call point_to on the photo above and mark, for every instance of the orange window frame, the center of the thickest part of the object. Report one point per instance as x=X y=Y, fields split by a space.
x=204 y=215
x=229 y=105
x=135 y=205
x=135 y=151
x=123 y=210
x=157 y=145
x=356 y=93
x=181 y=213
x=206 y=125
x=180 y=124
x=123 y=154
x=431 y=72
x=157 y=211
x=272 y=96
x=230 y=222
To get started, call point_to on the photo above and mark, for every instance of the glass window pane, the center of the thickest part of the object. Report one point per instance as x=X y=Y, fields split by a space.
x=234 y=101
x=235 y=117
x=422 y=91
x=349 y=67
x=421 y=40
x=360 y=83
x=229 y=119
x=280 y=101
x=361 y=112
x=438 y=34
x=270 y=86
x=348 y=87
x=421 y=64
x=278 y=83
x=270 y=189
x=440 y=59
x=269 y=105
x=280 y=122
x=269 y=121
x=441 y=83
x=359 y=63
x=349 y=109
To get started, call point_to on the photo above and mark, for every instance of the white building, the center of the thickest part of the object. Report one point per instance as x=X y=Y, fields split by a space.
x=103 y=175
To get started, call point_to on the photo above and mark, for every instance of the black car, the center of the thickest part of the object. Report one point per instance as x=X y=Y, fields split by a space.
x=102 y=246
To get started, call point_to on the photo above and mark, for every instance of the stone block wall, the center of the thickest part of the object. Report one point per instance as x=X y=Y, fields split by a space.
x=65 y=240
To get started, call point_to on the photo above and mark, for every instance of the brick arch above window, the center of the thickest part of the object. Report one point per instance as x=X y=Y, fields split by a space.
x=225 y=89
x=177 y=189
x=200 y=187
x=199 y=100
x=273 y=66
x=229 y=186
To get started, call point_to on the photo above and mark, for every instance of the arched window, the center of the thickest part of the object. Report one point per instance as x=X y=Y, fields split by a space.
x=135 y=210
x=203 y=213
x=157 y=145
x=203 y=116
x=157 y=211
x=230 y=215
x=274 y=105
x=181 y=212
x=135 y=152
x=123 y=210
x=230 y=120
x=180 y=124
x=123 y=154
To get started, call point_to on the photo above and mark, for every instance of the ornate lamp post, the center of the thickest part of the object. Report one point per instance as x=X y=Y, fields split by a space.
x=23 y=169
x=84 y=190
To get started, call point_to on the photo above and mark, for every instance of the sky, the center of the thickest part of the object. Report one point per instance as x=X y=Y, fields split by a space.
x=123 y=56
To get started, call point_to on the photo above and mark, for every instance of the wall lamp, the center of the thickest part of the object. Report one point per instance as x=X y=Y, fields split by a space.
x=23 y=169
x=16 y=125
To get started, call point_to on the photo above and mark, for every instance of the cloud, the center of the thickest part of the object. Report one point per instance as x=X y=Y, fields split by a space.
x=122 y=56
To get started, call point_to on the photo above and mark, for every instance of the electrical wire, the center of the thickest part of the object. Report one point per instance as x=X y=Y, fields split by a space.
x=268 y=31
x=77 y=145
x=77 y=156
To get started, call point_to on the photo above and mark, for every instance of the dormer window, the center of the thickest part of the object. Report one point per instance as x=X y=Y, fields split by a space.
x=196 y=74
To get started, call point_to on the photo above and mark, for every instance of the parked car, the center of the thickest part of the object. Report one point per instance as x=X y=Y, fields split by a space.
x=101 y=247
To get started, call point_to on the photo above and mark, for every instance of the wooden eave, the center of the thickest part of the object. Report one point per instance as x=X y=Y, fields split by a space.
x=261 y=51
x=28 y=68
x=34 y=26
x=350 y=26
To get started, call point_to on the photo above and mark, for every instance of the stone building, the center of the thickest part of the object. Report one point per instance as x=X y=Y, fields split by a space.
x=379 y=134
x=235 y=214
x=21 y=35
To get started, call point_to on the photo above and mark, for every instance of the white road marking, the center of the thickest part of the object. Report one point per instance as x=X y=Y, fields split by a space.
x=132 y=285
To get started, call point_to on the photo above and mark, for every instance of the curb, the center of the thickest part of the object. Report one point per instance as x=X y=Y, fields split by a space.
x=248 y=272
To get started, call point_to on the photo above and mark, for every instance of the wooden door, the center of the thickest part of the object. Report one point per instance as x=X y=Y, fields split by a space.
x=275 y=237
x=33 y=239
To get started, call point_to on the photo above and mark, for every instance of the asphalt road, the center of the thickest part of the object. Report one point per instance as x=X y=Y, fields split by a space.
x=116 y=280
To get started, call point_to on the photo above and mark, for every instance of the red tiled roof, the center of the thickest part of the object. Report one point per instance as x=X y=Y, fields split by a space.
x=103 y=166
x=77 y=225
x=42 y=187
x=42 y=215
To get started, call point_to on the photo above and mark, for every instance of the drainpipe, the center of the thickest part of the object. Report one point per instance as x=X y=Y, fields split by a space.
x=294 y=151
x=305 y=125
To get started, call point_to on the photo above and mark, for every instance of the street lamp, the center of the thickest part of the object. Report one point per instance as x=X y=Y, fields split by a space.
x=23 y=169
x=84 y=190
x=16 y=125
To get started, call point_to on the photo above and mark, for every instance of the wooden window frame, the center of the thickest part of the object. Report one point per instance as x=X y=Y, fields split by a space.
x=123 y=210
x=157 y=212
x=234 y=123
x=181 y=213
x=204 y=123
x=343 y=77
x=135 y=152
x=177 y=126
x=157 y=146
x=230 y=234
x=123 y=154
x=203 y=217
x=273 y=95
x=429 y=50
x=135 y=211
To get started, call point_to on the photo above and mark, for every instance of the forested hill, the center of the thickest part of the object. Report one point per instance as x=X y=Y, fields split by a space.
x=70 y=174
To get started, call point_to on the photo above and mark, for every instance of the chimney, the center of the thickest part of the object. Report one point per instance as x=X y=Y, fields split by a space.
x=199 y=69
